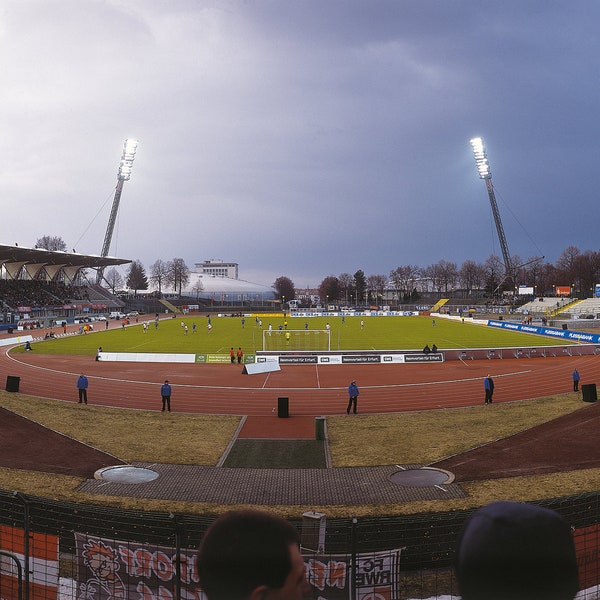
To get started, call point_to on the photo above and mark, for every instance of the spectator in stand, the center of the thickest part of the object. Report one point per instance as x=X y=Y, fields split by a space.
x=251 y=555
x=516 y=551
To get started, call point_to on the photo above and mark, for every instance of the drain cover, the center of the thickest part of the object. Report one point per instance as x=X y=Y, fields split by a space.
x=126 y=474
x=423 y=477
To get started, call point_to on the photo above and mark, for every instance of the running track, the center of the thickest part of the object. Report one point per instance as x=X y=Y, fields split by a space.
x=312 y=390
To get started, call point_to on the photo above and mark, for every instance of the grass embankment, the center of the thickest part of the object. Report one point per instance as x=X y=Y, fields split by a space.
x=406 y=438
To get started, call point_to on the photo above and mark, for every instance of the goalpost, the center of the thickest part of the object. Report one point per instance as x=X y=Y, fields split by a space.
x=297 y=339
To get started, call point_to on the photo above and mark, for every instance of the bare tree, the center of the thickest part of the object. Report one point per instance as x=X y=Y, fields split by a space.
x=51 y=242
x=404 y=279
x=114 y=279
x=329 y=289
x=285 y=288
x=376 y=286
x=198 y=288
x=178 y=274
x=158 y=274
x=471 y=276
x=494 y=274
x=346 y=285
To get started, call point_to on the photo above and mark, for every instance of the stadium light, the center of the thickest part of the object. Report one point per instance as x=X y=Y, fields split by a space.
x=481 y=160
x=126 y=165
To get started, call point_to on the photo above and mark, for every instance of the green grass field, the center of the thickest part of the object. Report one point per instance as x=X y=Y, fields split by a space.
x=379 y=333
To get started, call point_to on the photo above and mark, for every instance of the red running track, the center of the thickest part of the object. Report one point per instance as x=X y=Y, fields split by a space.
x=312 y=390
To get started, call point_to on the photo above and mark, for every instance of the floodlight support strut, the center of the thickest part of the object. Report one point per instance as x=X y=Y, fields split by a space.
x=508 y=267
x=110 y=227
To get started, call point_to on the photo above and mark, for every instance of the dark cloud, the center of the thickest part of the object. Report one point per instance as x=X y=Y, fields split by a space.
x=301 y=138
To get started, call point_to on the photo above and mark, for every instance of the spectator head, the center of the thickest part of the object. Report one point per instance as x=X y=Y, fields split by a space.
x=251 y=555
x=516 y=551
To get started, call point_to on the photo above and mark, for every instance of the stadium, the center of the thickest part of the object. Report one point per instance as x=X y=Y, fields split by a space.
x=261 y=418
x=278 y=436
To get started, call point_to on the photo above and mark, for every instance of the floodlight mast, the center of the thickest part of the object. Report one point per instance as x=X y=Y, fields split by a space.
x=124 y=174
x=483 y=167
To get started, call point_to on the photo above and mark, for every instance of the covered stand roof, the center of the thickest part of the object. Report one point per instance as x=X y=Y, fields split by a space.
x=13 y=258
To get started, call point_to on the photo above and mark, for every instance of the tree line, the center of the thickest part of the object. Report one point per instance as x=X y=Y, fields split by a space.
x=575 y=268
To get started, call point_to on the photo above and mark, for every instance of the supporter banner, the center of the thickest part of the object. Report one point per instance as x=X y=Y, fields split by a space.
x=588 y=560
x=377 y=576
x=118 y=569
x=43 y=563
x=561 y=334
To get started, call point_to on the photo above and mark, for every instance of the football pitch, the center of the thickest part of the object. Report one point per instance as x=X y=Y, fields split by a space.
x=377 y=333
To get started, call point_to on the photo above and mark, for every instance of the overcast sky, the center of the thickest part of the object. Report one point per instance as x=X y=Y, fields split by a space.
x=302 y=138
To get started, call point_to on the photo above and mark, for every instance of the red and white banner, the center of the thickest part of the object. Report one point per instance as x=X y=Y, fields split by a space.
x=43 y=564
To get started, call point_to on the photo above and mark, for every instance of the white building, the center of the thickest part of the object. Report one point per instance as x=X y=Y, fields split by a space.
x=217 y=268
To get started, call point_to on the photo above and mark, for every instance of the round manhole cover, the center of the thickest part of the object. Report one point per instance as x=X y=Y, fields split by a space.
x=126 y=474
x=423 y=477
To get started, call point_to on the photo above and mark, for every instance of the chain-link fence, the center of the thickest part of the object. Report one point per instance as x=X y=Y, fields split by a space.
x=52 y=550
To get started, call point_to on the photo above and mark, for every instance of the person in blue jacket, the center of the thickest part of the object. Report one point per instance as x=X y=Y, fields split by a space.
x=488 y=385
x=165 y=392
x=82 y=387
x=353 y=394
x=576 y=379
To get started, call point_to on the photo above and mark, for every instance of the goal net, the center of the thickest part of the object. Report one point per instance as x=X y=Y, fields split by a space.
x=296 y=339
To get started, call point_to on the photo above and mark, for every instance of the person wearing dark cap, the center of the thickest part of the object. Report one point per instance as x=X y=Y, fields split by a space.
x=251 y=555
x=516 y=551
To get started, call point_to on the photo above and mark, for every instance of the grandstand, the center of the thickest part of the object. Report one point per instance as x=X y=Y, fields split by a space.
x=47 y=285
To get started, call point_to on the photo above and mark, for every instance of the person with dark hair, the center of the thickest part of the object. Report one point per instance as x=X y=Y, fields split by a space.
x=488 y=385
x=576 y=377
x=352 y=397
x=165 y=394
x=251 y=555
x=82 y=388
x=516 y=551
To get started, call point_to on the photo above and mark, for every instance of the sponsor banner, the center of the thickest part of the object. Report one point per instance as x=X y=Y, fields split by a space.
x=525 y=291
x=120 y=569
x=218 y=358
x=298 y=360
x=330 y=359
x=146 y=357
x=392 y=358
x=21 y=339
x=360 y=358
x=268 y=358
x=376 y=576
x=201 y=358
x=562 y=334
x=424 y=358
x=563 y=290
x=43 y=563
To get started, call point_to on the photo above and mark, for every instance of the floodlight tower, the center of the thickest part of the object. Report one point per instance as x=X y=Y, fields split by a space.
x=124 y=174
x=485 y=173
